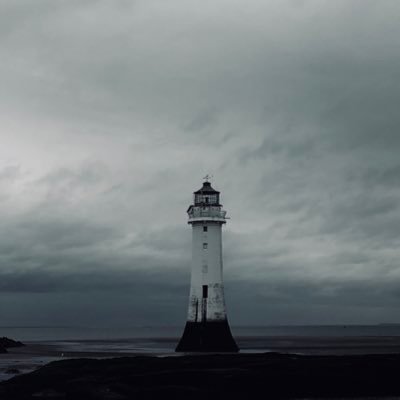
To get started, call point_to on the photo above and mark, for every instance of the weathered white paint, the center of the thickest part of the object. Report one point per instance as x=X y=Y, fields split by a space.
x=207 y=264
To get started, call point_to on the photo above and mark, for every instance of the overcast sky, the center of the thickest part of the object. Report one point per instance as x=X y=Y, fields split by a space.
x=111 y=112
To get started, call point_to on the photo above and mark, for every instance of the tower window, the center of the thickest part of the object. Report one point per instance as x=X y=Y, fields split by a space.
x=205 y=245
x=205 y=291
x=205 y=228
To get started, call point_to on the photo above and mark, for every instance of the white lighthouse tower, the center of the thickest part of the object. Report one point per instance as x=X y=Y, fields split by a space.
x=207 y=327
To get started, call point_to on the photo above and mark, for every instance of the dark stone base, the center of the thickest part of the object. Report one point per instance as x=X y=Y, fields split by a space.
x=207 y=337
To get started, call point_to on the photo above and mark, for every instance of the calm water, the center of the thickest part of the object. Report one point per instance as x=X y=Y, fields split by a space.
x=47 y=344
x=163 y=340
x=90 y=333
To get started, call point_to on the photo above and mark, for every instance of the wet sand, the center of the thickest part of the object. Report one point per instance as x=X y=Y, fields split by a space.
x=35 y=355
x=328 y=345
x=297 y=355
x=232 y=376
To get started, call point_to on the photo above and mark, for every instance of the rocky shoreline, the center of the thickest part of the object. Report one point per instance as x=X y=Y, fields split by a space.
x=6 y=343
x=233 y=376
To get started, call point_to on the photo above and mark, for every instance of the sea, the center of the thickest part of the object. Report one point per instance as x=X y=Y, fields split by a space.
x=50 y=343
x=44 y=333
x=249 y=338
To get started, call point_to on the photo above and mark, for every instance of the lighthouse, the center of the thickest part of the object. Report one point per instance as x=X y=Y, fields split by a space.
x=207 y=327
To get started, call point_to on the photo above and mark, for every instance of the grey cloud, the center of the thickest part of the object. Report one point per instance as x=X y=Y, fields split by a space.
x=112 y=113
x=384 y=176
x=79 y=278
x=203 y=120
x=9 y=173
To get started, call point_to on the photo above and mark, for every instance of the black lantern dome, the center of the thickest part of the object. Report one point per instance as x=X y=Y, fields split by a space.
x=207 y=195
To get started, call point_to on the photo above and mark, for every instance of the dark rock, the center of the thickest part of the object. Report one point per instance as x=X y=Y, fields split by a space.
x=12 y=371
x=2 y=350
x=8 y=343
x=48 y=394
x=232 y=376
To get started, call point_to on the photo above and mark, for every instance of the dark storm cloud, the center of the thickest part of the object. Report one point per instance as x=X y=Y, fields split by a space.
x=91 y=278
x=112 y=113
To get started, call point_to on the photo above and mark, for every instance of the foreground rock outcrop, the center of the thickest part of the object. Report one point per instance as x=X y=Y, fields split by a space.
x=7 y=343
x=231 y=376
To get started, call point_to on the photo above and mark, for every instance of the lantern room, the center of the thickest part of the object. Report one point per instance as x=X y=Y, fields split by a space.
x=206 y=196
